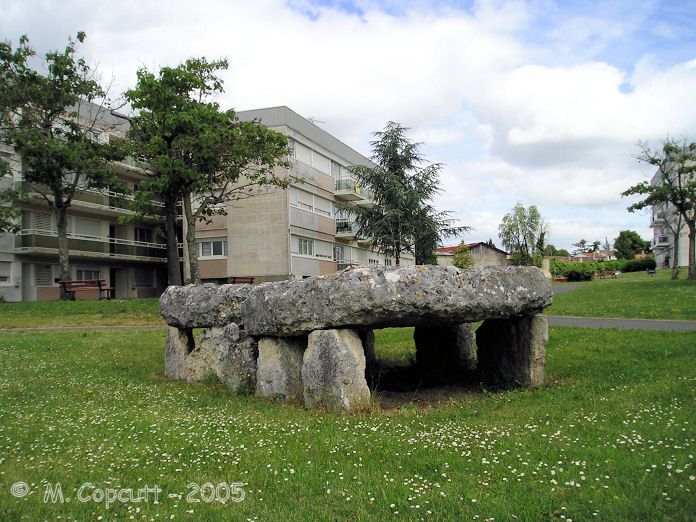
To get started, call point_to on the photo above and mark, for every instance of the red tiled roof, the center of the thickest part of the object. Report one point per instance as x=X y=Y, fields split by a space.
x=453 y=249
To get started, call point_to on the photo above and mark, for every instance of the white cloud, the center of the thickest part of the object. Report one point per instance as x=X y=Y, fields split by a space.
x=512 y=114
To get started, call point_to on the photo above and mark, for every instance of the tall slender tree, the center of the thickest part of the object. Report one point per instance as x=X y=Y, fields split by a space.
x=403 y=218
x=520 y=232
x=200 y=155
x=51 y=120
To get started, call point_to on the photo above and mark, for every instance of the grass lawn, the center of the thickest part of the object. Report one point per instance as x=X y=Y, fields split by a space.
x=80 y=313
x=611 y=436
x=632 y=295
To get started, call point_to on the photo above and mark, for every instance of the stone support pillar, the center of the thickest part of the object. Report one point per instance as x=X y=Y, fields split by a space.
x=279 y=368
x=513 y=350
x=333 y=371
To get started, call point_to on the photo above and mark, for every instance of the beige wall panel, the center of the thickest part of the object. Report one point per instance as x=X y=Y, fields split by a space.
x=217 y=223
x=327 y=267
x=44 y=293
x=326 y=226
x=326 y=183
x=304 y=266
x=210 y=268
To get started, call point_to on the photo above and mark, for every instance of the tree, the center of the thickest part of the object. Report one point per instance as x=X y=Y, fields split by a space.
x=402 y=219
x=462 y=257
x=580 y=247
x=674 y=185
x=520 y=232
x=628 y=244
x=595 y=246
x=562 y=253
x=199 y=155
x=51 y=121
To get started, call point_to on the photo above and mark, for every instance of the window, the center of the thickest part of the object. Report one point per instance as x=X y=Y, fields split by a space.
x=303 y=154
x=212 y=248
x=387 y=262
x=144 y=235
x=321 y=163
x=335 y=170
x=322 y=206
x=43 y=275
x=373 y=261
x=339 y=253
x=305 y=247
x=87 y=227
x=305 y=200
x=144 y=276
x=323 y=249
x=87 y=273
x=4 y=272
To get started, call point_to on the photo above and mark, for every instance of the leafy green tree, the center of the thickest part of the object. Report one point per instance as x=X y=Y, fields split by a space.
x=402 y=219
x=562 y=253
x=520 y=232
x=51 y=121
x=199 y=155
x=580 y=247
x=550 y=250
x=628 y=244
x=596 y=245
x=675 y=187
x=462 y=257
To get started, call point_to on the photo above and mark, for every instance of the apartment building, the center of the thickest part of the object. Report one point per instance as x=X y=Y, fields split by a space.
x=295 y=232
x=664 y=219
x=129 y=257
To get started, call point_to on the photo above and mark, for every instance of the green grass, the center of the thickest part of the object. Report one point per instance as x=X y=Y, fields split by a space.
x=611 y=436
x=632 y=295
x=80 y=313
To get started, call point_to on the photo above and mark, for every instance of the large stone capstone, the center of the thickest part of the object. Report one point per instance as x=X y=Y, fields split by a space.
x=378 y=297
x=204 y=305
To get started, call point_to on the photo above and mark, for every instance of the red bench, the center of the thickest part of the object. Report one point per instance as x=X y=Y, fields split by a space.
x=241 y=280
x=605 y=273
x=87 y=285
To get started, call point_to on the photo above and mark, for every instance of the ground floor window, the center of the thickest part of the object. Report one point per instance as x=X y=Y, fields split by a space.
x=305 y=247
x=87 y=273
x=4 y=272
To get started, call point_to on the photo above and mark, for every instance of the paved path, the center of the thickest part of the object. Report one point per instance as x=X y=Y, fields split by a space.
x=622 y=324
x=554 y=320
x=71 y=328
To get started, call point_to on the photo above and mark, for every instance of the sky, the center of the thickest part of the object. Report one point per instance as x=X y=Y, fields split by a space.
x=539 y=102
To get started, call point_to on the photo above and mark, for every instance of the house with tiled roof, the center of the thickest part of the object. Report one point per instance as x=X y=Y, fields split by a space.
x=483 y=254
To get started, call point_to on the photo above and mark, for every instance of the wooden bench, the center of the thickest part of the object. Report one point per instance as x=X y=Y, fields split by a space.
x=241 y=280
x=606 y=273
x=85 y=285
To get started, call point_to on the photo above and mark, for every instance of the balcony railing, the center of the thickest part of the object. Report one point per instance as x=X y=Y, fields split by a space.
x=350 y=190
x=105 y=246
x=105 y=199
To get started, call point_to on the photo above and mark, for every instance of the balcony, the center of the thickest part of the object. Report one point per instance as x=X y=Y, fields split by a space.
x=349 y=190
x=345 y=229
x=89 y=199
x=33 y=241
x=658 y=220
x=662 y=243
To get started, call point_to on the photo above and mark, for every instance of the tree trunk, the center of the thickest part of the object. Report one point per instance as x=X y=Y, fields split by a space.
x=173 y=266
x=675 y=262
x=63 y=256
x=692 y=250
x=194 y=273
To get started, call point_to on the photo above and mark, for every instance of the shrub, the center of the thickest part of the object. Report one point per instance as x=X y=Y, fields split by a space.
x=558 y=268
x=638 y=265
x=581 y=271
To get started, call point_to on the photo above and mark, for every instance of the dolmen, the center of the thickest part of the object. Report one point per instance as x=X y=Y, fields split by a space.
x=312 y=340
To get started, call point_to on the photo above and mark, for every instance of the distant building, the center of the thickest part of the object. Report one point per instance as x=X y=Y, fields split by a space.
x=663 y=222
x=483 y=254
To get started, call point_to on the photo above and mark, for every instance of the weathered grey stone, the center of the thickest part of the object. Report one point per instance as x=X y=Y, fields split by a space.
x=445 y=354
x=378 y=297
x=226 y=352
x=333 y=371
x=203 y=305
x=279 y=368
x=179 y=345
x=513 y=350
